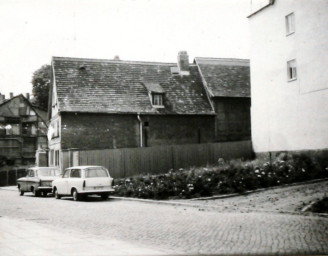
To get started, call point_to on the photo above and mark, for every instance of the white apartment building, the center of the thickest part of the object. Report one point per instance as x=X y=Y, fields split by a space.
x=289 y=75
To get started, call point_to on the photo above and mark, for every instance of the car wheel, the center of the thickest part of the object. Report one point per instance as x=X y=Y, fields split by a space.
x=76 y=196
x=35 y=192
x=21 y=192
x=57 y=196
x=104 y=196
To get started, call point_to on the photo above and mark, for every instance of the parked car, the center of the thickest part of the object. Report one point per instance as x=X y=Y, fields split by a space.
x=38 y=180
x=81 y=181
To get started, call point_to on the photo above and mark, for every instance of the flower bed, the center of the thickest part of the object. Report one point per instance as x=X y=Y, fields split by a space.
x=233 y=177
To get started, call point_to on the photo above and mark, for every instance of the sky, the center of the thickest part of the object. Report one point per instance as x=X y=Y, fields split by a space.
x=32 y=31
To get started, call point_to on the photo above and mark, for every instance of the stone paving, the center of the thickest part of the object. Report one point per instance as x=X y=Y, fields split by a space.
x=286 y=199
x=26 y=238
x=175 y=229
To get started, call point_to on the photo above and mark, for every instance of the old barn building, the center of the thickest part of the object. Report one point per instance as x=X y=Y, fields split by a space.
x=103 y=104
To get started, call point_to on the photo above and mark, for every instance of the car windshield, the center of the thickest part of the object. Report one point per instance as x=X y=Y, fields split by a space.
x=49 y=172
x=92 y=172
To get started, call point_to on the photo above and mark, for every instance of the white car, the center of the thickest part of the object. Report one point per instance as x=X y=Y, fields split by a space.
x=81 y=181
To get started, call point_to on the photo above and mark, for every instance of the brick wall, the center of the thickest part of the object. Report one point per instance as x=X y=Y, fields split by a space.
x=233 y=119
x=171 y=130
x=99 y=131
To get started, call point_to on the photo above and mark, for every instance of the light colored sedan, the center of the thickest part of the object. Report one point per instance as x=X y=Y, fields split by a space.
x=81 y=181
x=38 y=180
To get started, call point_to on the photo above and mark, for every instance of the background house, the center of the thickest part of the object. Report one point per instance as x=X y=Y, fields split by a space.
x=108 y=104
x=23 y=131
x=227 y=83
x=289 y=82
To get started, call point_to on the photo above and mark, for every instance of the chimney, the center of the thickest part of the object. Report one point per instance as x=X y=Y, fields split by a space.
x=11 y=95
x=116 y=57
x=183 y=62
x=27 y=96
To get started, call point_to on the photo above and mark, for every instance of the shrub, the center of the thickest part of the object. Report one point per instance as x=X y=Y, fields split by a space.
x=320 y=207
x=227 y=177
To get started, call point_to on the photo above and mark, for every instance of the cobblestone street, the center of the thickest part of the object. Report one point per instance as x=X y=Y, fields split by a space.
x=290 y=199
x=176 y=229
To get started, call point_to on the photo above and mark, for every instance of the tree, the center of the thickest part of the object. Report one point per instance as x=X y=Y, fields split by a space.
x=41 y=84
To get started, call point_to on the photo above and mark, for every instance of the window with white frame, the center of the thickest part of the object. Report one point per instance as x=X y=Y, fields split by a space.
x=51 y=157
x=157 y=99
x=291 y=70
x=56 y=129
x=290 y=23
x=56 y=157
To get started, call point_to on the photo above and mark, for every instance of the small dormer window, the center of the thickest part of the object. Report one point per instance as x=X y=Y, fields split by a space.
x=156 y=94
x=157 y=99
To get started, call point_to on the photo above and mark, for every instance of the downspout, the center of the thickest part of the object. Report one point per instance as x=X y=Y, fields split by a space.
x=140 y=130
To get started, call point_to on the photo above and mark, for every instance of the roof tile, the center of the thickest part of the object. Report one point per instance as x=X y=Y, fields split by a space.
x=107 y=86
x=225 y=77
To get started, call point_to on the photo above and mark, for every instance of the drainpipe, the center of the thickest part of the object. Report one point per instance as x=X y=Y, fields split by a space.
x=140 y=130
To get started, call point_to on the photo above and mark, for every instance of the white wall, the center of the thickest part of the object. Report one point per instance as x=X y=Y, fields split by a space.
x=290 y=115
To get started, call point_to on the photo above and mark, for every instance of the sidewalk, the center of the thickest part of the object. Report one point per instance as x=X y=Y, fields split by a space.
x=25 y=238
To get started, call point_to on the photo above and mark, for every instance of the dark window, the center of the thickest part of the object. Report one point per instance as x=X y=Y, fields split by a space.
x=31 y=173
x=291 y=70
x=76 y=173
x=96 y=172
x=26 y=129
x=2 y=131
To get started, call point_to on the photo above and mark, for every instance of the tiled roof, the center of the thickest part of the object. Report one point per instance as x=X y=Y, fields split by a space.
x=154 y=87
x=114 y=86
x=225 y=77
x=8 y=110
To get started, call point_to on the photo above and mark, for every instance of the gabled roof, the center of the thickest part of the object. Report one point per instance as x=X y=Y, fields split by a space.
x=225 y=77
x=7 y=111
x=115 y=86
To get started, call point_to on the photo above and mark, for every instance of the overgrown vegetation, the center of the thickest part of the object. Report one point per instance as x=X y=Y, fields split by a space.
x=41 y=83
x=227 y=177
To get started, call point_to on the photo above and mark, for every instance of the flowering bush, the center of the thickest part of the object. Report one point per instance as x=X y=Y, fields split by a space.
x=233 y=177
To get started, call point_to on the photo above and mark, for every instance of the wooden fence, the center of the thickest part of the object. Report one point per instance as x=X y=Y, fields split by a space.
x=132 y=161
x=8 y=177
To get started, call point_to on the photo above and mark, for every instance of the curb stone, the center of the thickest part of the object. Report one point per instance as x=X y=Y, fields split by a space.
x=202 y=207
x=171 y=202
x=259 y=190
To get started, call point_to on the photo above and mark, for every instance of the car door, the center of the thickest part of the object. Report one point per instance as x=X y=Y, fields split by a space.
x=28 y=180
x=62 y=184
x=22 y=181
x=75 y=180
